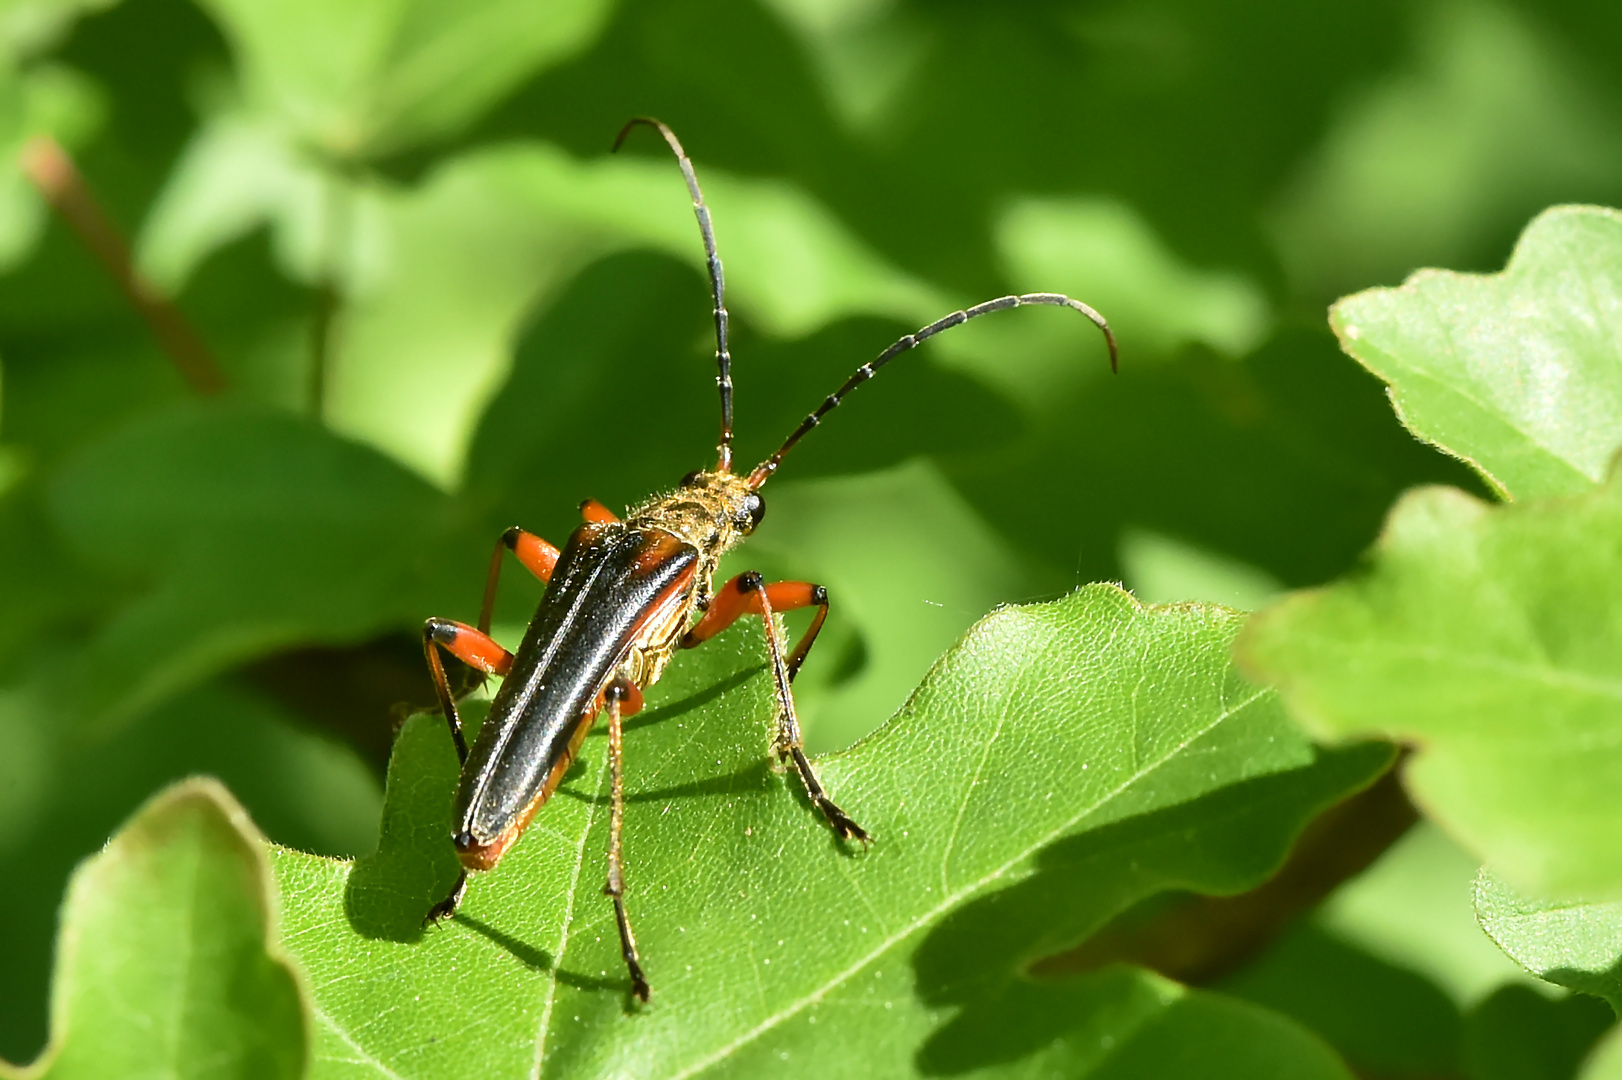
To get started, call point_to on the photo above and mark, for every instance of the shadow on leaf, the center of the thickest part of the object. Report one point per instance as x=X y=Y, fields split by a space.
x=538 y=960
x=415 y=866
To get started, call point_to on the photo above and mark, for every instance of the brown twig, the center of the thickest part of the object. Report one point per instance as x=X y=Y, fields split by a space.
x=50 y=169
x=1198 y=939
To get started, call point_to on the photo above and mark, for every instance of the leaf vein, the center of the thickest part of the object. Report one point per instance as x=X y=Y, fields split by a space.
x=563 y=934
x=365 y=1058
x=951 y=899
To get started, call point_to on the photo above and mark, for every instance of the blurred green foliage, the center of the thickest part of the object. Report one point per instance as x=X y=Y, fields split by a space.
x=442 y=309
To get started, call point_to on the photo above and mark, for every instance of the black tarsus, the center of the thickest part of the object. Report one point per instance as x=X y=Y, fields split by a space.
x=723 y=358
x=447 y=906
x=764 y=470
x=790 y=744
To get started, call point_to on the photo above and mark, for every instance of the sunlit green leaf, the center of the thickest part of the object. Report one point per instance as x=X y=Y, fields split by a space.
x=1518 y=373
x=1414 y=909
x=1485 y=122
x=167 y=963
x=41 y=100
x=1104 y=253
x=1492 y=638
x=252 y=530
x=1606 y=1061
x=769 y=945
x=1107 y=253
x=28 y=27
x=239 y=173
x=1161 y=570
x=494 y=235
x=867 y=54
x=1567 y=942
x=37 y=98
x=365 y=78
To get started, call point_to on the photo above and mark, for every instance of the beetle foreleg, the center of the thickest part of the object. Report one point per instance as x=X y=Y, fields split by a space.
x=472 y=647
x=790 y=744
x=621 y=698
x=536 y=554
x=741 y=596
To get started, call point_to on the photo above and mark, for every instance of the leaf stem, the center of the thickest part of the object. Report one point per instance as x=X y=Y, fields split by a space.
x=52 y=171
x=339 y=196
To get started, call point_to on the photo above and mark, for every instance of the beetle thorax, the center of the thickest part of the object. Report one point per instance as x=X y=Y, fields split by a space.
x=713 y=511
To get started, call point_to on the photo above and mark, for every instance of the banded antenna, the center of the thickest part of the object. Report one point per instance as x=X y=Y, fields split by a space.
x=764 y=470
x=723 y=358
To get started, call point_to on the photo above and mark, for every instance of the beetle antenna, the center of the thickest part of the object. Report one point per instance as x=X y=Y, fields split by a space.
x=723 y=358
x=764 y=470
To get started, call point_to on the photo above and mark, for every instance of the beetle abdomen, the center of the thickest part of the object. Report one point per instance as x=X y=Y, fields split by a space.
x=610 y=584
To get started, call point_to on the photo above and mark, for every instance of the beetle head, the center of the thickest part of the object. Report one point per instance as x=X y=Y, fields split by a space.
x=712 y=509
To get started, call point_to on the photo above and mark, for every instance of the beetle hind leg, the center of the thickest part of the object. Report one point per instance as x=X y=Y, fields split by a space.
x=622 y=699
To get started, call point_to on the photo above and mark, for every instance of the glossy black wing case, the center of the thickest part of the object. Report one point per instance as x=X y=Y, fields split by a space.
x=608 y=584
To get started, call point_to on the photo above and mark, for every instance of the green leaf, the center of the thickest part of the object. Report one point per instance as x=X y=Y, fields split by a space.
x=361 y=79
x=1432 y=161
x=1606 y=1061
x=61 y=796
x=1102 y=251
x=1518 y=1033
x=28 y=27
x=238 y=173
x=42 y=99
x=1162 y=570
x=1132 y=1026
x=1060 y=763
x=1107 y=252
x=166 y=964
x=493 y=235
x=37 y=98
x=439 y=279
x=1574 y=944
x=910 y=567
x=1490 y=638
x=1384 y=1019
x=255 y=530
x=1517 y=373
x=1413 y=909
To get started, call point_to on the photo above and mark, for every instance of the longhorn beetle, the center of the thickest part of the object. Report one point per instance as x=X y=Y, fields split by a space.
x=620 y=601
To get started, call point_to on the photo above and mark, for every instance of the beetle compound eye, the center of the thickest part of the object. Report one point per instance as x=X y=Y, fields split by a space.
x=692 y=478
x=755 y=507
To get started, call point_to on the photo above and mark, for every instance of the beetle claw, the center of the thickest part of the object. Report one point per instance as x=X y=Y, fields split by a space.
x=447 y=907
x=844 y=826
